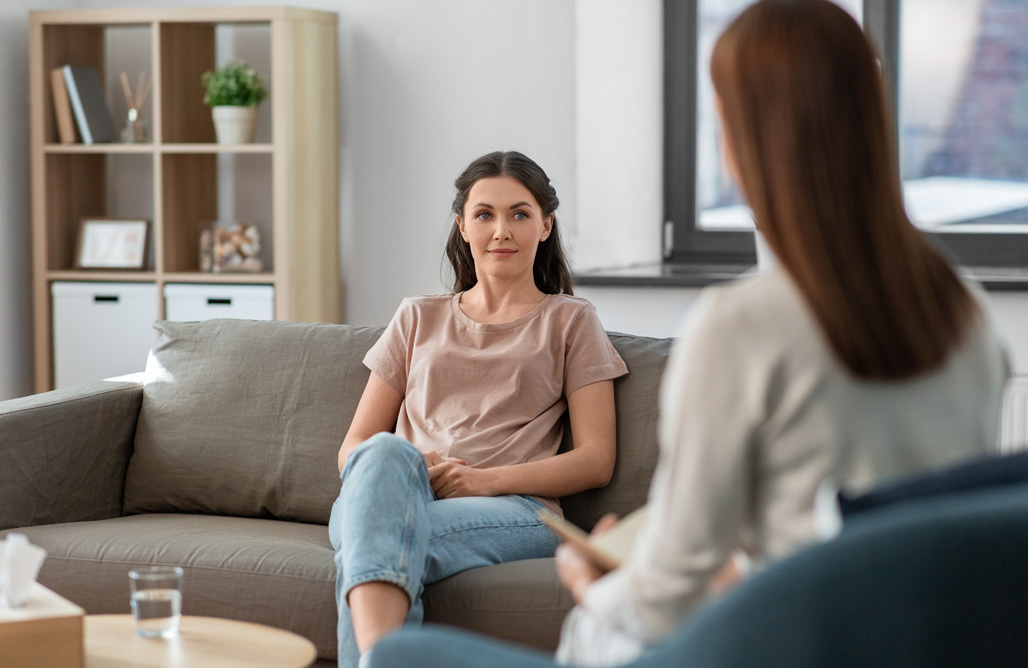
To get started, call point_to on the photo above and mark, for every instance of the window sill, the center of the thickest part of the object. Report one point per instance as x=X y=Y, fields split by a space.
x=692 y=275
x=699 y=275
x=998 y=279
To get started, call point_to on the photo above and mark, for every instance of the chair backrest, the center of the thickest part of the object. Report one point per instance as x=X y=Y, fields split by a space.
x=990 y=471
x=938 y=582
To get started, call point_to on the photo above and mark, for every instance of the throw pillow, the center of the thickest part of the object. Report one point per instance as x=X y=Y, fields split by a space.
x=245 y=418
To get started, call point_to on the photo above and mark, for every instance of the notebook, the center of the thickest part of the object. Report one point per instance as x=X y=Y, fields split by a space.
x=606 y=551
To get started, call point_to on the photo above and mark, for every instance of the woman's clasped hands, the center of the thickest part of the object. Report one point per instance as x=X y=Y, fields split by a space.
x=451 y=477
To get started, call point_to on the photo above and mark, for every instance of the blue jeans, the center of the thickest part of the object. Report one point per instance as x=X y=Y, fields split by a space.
x=388 y=526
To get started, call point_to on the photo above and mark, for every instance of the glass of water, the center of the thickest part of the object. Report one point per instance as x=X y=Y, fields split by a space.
x=157 y=600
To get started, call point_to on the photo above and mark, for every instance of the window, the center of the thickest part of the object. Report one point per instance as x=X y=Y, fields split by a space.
x=962 y=73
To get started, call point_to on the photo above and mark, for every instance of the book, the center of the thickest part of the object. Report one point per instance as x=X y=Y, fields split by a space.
x=606 y=551
x=62 y=106
x=89 y=104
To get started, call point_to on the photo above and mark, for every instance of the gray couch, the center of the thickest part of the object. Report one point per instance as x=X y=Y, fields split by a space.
x=223 y=461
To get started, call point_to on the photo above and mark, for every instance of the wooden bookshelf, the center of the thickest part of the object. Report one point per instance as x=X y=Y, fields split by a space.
x=297 y=155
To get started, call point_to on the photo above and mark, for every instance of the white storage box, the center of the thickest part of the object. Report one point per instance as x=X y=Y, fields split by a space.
x=189 y=302
x=101 y=329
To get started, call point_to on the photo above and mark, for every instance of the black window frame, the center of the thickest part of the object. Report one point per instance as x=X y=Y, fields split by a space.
x=684 y=242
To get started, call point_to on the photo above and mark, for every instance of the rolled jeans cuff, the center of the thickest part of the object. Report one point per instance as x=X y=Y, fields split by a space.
x=387 y=576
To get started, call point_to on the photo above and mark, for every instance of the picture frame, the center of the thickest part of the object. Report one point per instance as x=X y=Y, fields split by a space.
x=112 y=243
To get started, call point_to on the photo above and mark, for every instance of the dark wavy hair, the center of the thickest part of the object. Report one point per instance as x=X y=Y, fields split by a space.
x=550 y=270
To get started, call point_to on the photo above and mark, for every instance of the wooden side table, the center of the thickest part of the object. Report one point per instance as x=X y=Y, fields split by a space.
x=203 y=642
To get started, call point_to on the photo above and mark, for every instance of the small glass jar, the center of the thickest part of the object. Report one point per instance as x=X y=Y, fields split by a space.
x=134 y=131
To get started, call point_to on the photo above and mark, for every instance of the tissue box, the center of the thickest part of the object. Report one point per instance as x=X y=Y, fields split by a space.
x=46 y=631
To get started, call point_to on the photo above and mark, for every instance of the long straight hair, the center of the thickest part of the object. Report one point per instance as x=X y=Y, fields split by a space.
x=806 y=118
x=550 y=270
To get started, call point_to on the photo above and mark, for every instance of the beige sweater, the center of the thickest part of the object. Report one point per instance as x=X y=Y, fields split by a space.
x=756 y=414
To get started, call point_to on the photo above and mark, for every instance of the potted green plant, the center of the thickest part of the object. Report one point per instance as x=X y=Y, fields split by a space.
x=233 y=93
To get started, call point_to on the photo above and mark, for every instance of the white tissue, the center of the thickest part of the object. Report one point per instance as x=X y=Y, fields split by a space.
x=19 y=566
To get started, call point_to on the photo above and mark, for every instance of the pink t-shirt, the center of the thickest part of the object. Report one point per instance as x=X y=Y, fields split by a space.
x=490 y=394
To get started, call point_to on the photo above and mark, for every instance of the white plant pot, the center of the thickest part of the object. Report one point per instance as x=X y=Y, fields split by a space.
x=235 y=125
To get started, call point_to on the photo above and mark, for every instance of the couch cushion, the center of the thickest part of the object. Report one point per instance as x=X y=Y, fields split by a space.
x=520 y=601
x=245 y=418
x=635 y=397
x=276 y=573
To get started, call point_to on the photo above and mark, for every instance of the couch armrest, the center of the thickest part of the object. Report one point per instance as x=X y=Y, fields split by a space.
x=63 y=454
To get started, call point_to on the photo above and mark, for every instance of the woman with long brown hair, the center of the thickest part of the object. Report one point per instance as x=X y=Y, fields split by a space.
x=809 y=140
x=857 y=357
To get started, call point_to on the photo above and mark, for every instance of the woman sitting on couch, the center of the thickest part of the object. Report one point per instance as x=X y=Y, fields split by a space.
x=475 y=384
x=859 y=356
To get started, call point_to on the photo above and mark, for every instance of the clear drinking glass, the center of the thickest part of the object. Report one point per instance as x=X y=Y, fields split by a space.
x=156 y=600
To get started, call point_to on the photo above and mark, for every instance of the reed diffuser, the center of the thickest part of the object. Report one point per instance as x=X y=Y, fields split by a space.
x=134 y=131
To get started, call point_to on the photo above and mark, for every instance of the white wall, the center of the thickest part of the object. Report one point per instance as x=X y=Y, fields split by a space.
x=654 y=312
x=1010 y=310
x=619 y=62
